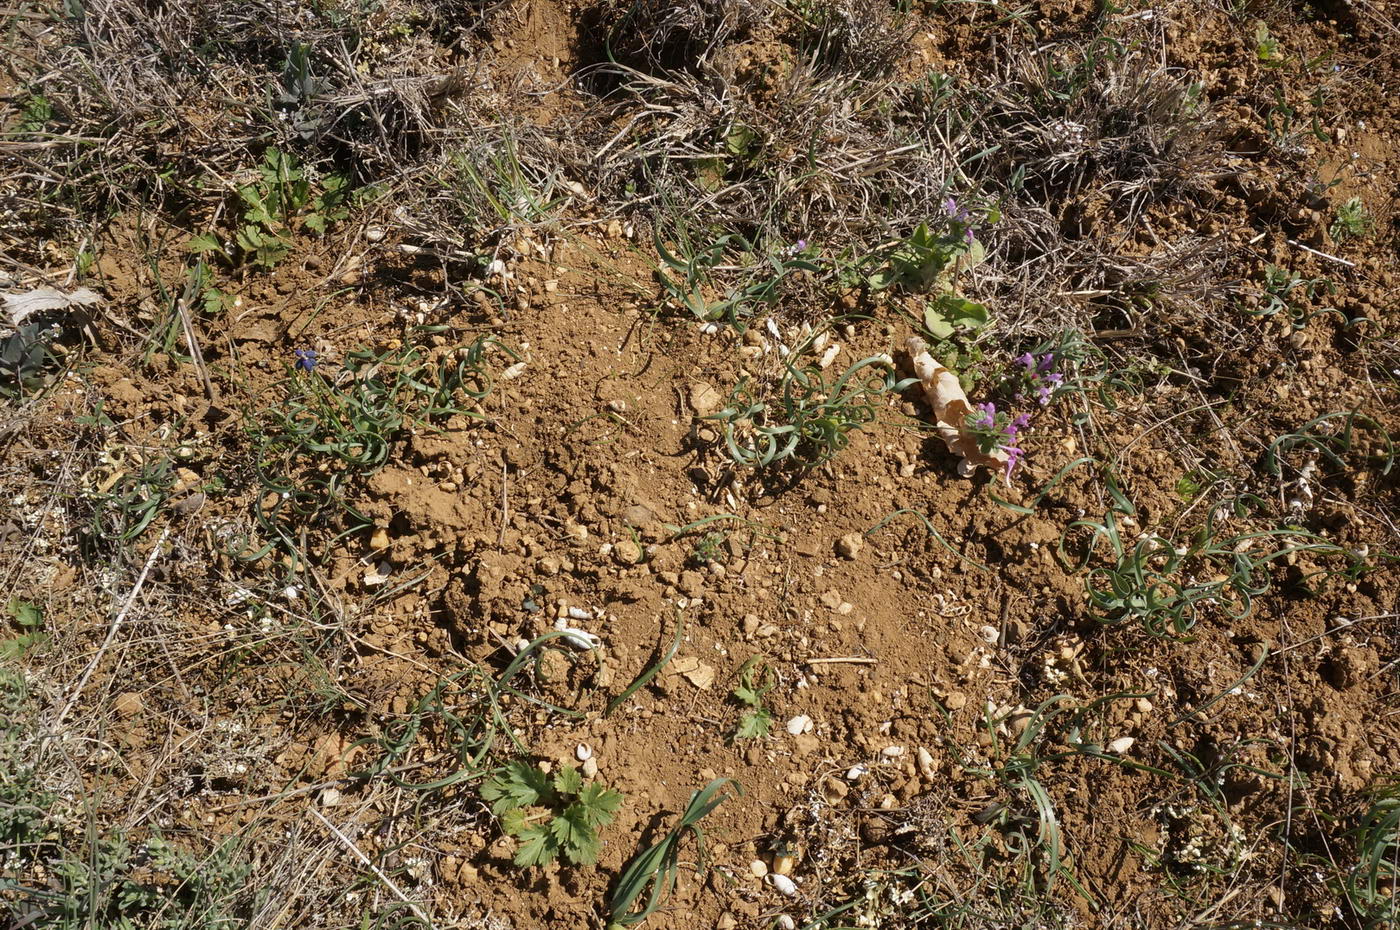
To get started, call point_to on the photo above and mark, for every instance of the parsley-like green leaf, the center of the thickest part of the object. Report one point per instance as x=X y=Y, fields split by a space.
x=585 y=851
x=520 y=785
x=537 y=846
x=754 y=724
x=599 y=804
x=568 y=782
x=571 y=827
x=755 y=680
x=514 y=822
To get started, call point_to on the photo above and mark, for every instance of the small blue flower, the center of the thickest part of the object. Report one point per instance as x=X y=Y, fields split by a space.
x=306 y=359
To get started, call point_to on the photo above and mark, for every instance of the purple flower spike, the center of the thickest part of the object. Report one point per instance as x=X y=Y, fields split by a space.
x=1047 y=362
x=951 y=206
x=306 y=359
x=1027 y=360
x=1013 y=458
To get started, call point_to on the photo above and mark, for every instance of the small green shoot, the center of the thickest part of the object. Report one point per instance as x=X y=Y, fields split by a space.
x=1370 y=886
x=551 y=816
x=1267 y=48
x=1164 y=583
x=1332 y=436
x=27 y=359
x=928 y=259
x=687 y=274
x=755 y=680
x=1353 y=221
x=1284 y=291
x=811 y=419
x=30 y=620
x=285 y=197
x=656 y=868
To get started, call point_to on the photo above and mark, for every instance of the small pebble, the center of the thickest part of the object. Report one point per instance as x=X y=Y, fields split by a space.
x=784 y=885
x=892 y=752
x=583 y=753
x=989 y=634
x=589 y=767
x=759 y=868
x=1121 y=745
x=785 y=922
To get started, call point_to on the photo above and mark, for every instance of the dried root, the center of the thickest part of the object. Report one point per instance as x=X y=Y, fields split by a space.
x=950 y=410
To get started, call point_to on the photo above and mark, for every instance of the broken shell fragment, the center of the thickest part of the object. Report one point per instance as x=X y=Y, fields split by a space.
x=799 y=725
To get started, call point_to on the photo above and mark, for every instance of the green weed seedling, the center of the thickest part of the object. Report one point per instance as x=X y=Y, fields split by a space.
x=119 y=884
x=29 y=619
x=1372 y=886
x=687 y=275
x=810 y=420
x=27 y=359
x=656 y=867
x=1353 y=221
x=331 y=430
x=283 y=198
x=755 y=680
x=1282 y=292
x=551 y=816
x=1332 y=436
x=123 y=511
x=1164 y=583
x=1267 y=49
x=928 y=259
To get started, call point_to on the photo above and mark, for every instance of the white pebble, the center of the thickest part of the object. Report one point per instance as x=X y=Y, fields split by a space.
x=799 y=725
x=856 y=771
x=1121 y=745
x=892 y=752
x=759 y=868
x=785 y=885
x=989 y=634
x=583 y=752
x=589 y=768
x=786 y=923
